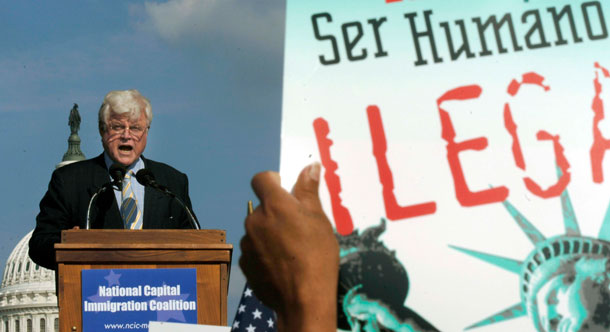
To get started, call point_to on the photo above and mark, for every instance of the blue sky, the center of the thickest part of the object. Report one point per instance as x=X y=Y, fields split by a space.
x=212 y=70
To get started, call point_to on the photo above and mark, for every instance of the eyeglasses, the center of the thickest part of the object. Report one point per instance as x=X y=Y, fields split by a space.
x=119 y=129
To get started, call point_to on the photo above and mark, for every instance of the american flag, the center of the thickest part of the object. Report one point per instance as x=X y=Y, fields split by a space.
x=252 y=315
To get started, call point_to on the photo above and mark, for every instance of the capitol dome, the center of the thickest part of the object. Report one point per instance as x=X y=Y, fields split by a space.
x=27 y=295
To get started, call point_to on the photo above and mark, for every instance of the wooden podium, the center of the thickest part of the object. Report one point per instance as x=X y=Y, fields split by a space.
x=204 y=250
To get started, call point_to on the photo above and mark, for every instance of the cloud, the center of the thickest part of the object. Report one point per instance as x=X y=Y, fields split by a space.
x=257 y=26
x=235 y=46
x=175 y=20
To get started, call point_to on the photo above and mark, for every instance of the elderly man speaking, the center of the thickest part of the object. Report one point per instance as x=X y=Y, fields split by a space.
x=124 y=122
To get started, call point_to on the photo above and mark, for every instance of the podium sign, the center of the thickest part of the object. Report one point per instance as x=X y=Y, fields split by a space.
x=130 y=298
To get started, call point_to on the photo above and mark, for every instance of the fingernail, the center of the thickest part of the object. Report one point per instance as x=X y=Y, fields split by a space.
x=314 y=171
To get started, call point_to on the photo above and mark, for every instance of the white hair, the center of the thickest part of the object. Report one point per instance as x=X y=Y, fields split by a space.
x=124 y=102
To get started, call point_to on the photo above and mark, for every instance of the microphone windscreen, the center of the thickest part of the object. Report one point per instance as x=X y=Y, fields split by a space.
x=117 y=172
x=145 y=177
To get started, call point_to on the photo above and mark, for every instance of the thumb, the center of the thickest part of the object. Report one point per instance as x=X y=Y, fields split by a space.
x=305 y=190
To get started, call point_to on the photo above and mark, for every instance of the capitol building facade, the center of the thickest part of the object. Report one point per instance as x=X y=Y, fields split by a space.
x=27 y=295
x=28 y=302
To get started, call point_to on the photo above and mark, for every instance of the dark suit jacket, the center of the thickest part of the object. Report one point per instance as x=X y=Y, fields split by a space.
x=71 y=187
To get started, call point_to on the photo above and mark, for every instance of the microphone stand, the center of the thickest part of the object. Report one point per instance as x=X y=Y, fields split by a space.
x=117 y=172
x=147 y=179
x=192 y=219
x=93 y=198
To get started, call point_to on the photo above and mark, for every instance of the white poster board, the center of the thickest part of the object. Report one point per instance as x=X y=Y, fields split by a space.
x=476 y=130
x=173 y=327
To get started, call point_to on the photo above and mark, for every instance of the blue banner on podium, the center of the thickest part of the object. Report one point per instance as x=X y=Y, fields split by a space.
x=127 y=299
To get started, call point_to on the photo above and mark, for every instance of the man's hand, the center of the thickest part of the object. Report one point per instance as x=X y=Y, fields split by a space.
x=290 y=255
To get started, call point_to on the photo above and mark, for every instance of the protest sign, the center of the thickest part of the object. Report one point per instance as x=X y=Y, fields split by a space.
x=462 y=145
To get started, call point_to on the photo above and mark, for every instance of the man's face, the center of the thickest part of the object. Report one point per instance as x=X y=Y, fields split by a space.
x=576 y=302
x=125 y=139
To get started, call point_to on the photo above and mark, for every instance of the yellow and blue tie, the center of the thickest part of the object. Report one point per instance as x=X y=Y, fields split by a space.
x=129 y=207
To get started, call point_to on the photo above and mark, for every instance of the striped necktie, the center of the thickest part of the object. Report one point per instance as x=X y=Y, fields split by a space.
x=129 y=207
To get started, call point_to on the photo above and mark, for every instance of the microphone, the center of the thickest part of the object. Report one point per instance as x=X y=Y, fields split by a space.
x=146 y=178
x=117 y=172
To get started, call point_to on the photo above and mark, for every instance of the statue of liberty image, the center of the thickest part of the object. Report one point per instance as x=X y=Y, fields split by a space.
x=564 y=281
x=373 y=287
